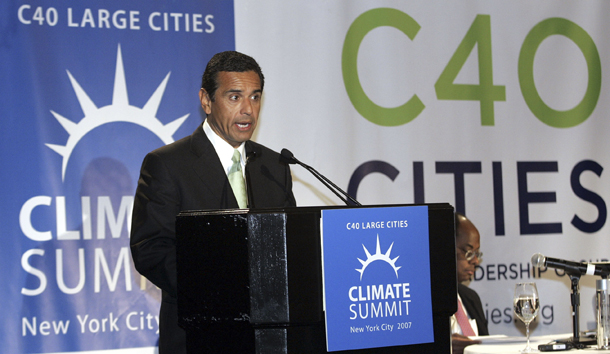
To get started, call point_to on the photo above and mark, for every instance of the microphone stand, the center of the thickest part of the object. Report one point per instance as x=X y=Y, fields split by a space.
x=329 y=183
x=575 y=299
x=602 y=269
x=325 y=182
x=288 y=157
x=576 y=341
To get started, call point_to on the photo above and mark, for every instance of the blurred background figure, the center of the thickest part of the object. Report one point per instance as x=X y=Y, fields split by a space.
x=469 y=320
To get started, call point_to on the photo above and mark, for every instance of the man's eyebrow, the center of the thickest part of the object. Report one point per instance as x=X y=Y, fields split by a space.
x=241 y=91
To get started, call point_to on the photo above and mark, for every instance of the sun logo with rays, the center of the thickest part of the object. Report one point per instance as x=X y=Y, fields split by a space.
x=118 y=111
x=378 y=256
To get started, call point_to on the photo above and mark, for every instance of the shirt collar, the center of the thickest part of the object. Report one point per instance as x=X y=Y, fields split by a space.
x=223 y=149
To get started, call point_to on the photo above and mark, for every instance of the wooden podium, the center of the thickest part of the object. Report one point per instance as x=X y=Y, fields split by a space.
x=250 y=281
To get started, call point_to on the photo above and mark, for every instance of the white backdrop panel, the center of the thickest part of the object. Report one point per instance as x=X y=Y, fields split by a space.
x=307 y=109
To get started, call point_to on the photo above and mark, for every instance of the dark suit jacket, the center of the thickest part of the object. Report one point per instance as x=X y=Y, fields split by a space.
x=188 y=175
x=473 y=306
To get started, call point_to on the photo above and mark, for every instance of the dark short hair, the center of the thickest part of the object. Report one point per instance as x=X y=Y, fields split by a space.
x=230 y=61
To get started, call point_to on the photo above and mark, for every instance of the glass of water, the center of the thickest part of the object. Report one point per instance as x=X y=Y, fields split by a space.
x=526 y=304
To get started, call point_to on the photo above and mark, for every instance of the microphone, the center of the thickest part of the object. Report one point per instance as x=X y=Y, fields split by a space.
x=572 y=268
x=289 y=158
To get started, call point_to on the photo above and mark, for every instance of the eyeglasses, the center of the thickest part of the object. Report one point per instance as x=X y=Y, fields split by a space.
x=470 y=254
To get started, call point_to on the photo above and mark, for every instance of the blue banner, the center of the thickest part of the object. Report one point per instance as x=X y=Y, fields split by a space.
x=87 y=89
x=376 y=277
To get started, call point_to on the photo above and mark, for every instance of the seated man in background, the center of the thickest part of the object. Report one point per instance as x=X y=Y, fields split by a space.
x=469 y=320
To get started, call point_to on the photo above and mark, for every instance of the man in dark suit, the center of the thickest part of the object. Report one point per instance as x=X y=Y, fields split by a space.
x=467 y=242
x=192 y=174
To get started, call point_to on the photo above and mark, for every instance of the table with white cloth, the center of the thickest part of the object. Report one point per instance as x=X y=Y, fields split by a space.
x=514 y=345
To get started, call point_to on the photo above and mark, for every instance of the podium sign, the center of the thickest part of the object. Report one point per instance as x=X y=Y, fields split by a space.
x=376 y=267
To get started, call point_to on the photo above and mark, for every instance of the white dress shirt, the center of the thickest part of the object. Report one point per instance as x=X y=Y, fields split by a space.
x=224 y=150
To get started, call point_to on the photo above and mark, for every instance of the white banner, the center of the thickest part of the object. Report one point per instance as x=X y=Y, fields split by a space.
x=497 y=107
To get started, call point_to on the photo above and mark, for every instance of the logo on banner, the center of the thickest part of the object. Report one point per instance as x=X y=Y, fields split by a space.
x=379 y=300
x=90 y=255
x=118 y=111
x=378 y=256
x=105 y=194
x=376 y=277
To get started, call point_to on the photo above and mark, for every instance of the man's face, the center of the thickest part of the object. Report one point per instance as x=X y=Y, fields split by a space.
x=467 y=239
x=234 y=112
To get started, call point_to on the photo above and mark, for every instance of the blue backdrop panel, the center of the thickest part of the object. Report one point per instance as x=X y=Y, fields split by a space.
x=86 y=90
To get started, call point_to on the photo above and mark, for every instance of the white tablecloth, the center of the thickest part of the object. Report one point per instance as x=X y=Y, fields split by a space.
x=513 y=345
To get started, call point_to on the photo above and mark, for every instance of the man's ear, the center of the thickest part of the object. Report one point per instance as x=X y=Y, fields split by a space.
x=206 y=103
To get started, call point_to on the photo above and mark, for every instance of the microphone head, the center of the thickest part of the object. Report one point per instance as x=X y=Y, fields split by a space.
x=287 y=156
x=538 y=260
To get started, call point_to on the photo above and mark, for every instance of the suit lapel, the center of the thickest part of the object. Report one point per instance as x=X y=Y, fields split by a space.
x=208 y=168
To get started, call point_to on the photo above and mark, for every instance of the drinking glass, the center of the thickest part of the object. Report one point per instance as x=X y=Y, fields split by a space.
x=526 y=304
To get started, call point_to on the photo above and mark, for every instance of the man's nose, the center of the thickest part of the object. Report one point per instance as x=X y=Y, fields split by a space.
x=246 y=107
